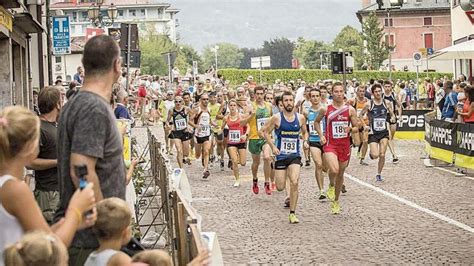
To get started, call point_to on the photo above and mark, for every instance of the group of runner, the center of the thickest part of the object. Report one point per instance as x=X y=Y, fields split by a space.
x=275 y=128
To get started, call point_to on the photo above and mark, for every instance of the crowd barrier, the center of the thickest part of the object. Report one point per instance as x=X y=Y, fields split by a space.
x=449 y=142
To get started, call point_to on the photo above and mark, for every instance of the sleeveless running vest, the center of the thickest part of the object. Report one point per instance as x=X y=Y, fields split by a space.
x=236 y=131
x=378 y=115
x=313 y=134
x=359 y=106
x=180 y=120
x=214 y=111
x=203 y=124
x=337 y=120
x=288 y=138
x=258 y=119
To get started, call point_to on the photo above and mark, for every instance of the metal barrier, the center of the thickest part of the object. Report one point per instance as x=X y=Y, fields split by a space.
x=183 y=235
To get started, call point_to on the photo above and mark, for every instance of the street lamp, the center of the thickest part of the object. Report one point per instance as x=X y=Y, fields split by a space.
x=95 y=14
x=216 y=47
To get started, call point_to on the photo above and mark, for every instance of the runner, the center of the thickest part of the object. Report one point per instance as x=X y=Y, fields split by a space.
x=200 y=119
x=360 y=138
x=258 y=113
x=316 y=148
x=303 y=107
x=180 y=131
x=288 y=126
x=389 y=95
x=163 y=110
x=336 y=142
x=325 y=101
x=378 y=110
x=217 y=135
x=236 y=140
x=269 y=99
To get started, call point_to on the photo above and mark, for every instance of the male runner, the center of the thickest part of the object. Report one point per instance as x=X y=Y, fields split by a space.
x=378 y=111
x=257 y=114
x=315 y=146
x=336 y=141
x=389 y=95
x=325 y=101
x=360 y=138
x=200 y=119
x=180 y=135
x=163 y=110
x=288 y=126
x=303 y=106
x=217 y=135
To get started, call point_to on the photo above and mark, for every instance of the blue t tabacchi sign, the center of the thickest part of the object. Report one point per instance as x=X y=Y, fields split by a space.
x=61 y=35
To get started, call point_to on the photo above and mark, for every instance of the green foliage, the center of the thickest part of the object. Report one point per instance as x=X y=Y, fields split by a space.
x=350 y=39
x=308 y=53
x=228 y=56
x=190 y=55
x=237 y=76
x=280 y=51
x=372 y=34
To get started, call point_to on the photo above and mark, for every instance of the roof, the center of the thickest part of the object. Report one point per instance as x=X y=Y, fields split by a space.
x=412 y=6
x=118 y=3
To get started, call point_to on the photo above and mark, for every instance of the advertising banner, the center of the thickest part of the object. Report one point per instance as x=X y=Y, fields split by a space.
x=464 y=145
x=61 y=35
x=411 y=125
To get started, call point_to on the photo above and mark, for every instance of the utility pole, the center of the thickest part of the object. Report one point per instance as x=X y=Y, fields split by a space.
x=48 y=43
x=129 y=36
x=389 y=47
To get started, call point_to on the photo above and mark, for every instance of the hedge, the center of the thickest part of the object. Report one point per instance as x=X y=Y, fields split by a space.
x=237 y=76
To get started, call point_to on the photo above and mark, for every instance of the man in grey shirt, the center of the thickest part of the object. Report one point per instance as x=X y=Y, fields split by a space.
x=88 y=135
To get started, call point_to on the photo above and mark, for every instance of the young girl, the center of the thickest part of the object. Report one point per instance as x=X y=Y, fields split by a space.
x=19 y=212
x=236 y=139
x=36 y=249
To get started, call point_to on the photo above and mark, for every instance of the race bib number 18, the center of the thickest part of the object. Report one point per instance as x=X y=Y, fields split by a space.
x=339 y=129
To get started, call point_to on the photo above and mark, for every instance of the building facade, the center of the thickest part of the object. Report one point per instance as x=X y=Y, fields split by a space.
x=147 y=14
x=416 y=26
x=462 y=22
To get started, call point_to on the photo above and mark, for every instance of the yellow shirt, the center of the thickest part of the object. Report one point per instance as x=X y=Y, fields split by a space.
x=258 y=119
x=214 y=111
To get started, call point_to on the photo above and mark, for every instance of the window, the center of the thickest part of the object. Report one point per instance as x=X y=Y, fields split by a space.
x=390 y=42
x=84 y=16
x=132 y=13
x=57 y=59
x=428 y=21
x=389 y=22
x=160 y=13
x=142 y=12
x=428 y=40
x=74 y=16
x=120 y=13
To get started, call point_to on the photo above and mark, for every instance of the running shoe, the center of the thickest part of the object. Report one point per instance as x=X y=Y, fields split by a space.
x=274 y=186
x=255 y=188
x=396 y=160
x=293 y=219
x=307 y=163
x=343 y=190
x=237 y=183
x=322 y=195
x=362 y=162
x=379 y=178
x=268 y=190
x=206 y=174
x=287 y=202
x=331 y=193
x=222 y=165
x=335 y=207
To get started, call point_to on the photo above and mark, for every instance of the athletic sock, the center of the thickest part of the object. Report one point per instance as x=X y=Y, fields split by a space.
x=292 y=212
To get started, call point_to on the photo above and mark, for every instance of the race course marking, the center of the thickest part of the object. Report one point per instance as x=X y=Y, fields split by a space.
x=411 y=204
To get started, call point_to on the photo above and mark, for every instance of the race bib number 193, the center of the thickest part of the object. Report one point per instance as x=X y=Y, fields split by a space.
x=289 y=146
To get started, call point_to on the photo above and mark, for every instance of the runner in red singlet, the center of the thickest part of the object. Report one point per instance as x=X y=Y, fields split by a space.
x=339 y=117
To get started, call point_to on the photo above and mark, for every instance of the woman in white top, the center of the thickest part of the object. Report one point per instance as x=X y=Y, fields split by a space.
x=19 y=212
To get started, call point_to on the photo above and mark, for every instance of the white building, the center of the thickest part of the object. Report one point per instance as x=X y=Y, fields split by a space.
x=462 y=30
x=144 y=13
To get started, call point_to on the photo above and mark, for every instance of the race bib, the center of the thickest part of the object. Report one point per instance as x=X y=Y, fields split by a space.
x=289 y=146
x=379 y=124
x=338 y=129
x=204 y=130
x=312 y=130
x=180 y=124
x=234 y=136
x=261 y=122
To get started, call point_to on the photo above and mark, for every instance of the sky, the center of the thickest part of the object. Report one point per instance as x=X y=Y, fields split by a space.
x=248 y=23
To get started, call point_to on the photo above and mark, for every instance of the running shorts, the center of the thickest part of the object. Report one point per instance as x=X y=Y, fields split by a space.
x=183 y=135
x=377 y=137
x=316 y=144
x=283 y=164
x=256 y=145
x=226 y=132
x=201 y=140
x=239 y=146
x=343 y=153
x=218 y=136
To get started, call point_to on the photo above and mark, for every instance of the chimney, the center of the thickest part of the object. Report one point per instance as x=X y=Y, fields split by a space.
x=366 y=3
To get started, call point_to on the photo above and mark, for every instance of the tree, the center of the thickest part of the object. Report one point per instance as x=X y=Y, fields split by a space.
x=308 y=53
x=249 y=53
x=372 y=34
x=190 y=55
x=350 y=39
x=228 y=56
x=280 y=51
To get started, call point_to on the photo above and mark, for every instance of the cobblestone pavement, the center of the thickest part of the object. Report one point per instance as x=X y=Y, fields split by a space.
x=372 y=227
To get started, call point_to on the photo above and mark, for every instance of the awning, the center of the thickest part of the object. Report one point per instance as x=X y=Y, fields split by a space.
x=27 y=23
x=464 y=50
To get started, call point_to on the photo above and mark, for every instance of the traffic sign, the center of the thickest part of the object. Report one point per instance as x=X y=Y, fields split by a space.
x=61 y=35
x=422 y=51
x=417 y=59
x=429 y=51
x=260 y=62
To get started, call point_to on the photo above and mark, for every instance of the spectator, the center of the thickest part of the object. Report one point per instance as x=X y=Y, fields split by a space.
x=112 y=229
x=79 y=76
x=19 y=138
x=448 y=112
x=439 y=98
x=121 y=111
x=403 y=96
x=45 y=166
x=467 y=111
x=88 y=135
x=36 y=249
x=35 y=102
x=430 y=93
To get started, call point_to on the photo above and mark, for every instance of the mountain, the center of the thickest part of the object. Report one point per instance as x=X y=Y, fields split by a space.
x=248 y=23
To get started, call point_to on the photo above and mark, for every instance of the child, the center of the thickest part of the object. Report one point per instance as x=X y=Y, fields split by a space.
x=112 y=229
x=19 y=212
x=36 y=248
x=153 y=258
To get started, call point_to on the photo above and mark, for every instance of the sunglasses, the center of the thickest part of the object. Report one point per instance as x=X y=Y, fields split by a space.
x=205 y=99
x=177 y=101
